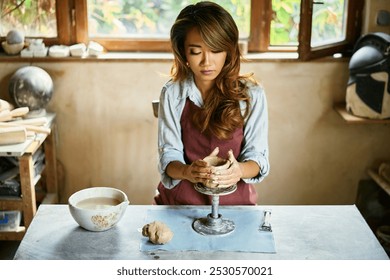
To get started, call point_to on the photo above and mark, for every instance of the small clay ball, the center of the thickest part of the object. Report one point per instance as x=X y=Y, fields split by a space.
x=158 y=232
x=15 y=37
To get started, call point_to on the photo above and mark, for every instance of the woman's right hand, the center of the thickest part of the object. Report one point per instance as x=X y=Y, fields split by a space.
x=200 y=171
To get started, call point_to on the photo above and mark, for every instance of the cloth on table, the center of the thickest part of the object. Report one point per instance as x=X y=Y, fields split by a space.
x=246 y=236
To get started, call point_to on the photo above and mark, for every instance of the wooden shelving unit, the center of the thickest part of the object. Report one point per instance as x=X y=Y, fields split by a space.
x=27 y=203
x=379 y=180
x=349 y=118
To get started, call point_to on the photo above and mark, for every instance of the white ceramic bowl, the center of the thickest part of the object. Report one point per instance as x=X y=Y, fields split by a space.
x=98 y=208
x=12 y=49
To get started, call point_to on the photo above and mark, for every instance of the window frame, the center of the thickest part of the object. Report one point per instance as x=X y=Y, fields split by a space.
x=353 y=30
x=72 y=28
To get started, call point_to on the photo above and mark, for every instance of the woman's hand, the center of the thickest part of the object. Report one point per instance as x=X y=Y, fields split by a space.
x=229 y=176
x=199 y=171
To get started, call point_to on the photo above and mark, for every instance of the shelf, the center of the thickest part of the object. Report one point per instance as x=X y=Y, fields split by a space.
x=30 y=145
x=8 y=203
x=379 y=180
x=36 y=179
x=30 y=167
x=13 y=235
x=349 y=118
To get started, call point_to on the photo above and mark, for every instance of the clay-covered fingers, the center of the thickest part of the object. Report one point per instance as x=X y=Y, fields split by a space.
x=231 y=157
x=215 y=152
x=199 y=171
x=225 y=177
x=229 y=176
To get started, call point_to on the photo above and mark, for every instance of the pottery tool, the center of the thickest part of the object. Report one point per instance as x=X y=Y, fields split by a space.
x=33 y=121
x=28 y=127
x=12 y=135
x=5 y=115
x=266 y=225
x=19 y=112
x=5 y=105
x=13 y=118
x=8 y=115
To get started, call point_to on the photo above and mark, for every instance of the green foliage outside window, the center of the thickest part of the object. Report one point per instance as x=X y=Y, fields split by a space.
x=138 y=18
x=34 y=18
x=285 y=22
x=328 y=22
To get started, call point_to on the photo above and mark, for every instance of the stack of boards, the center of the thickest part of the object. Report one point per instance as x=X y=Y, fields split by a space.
x=16 y=127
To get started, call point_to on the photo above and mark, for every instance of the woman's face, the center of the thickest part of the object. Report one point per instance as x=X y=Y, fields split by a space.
x=206 y=64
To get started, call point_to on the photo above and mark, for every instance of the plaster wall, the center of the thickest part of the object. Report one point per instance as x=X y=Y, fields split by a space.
x=371 y=9
x=107 y=134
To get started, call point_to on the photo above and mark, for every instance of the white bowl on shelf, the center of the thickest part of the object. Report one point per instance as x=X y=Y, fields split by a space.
x=12 y=49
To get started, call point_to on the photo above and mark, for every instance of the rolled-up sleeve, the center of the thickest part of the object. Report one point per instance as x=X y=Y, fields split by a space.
x=170 y=146
x=255 y=145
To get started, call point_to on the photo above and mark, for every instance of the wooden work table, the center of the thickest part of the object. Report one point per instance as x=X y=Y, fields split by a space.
x=300 y=233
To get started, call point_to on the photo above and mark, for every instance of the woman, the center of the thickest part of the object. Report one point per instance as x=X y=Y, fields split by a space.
x=208 y=108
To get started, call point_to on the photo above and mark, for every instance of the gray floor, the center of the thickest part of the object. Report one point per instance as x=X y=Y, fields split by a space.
x=8 y=249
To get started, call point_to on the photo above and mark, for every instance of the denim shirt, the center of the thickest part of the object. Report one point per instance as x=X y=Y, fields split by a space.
x=170 y=146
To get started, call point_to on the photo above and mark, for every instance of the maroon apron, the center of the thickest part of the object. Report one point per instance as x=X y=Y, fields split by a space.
x=197 y=146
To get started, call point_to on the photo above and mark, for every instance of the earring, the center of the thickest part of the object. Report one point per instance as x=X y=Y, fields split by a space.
x=188 y=64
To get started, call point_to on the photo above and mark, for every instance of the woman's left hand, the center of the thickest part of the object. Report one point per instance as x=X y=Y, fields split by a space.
x=229 y=176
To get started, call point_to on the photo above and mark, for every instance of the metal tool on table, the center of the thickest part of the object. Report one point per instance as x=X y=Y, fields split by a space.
x=214 y=224
x=266 y=225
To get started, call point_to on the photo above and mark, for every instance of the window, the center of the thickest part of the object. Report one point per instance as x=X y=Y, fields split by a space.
x=47 y=19
x=35 y=18
x=284 y=23
x=311 y=28
x=328 y=22
x=315 y=40
x=153 y=19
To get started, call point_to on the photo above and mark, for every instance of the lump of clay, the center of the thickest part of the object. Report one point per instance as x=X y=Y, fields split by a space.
x=158 y=232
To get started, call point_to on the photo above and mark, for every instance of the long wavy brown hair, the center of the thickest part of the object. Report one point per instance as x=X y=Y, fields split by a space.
x=221 y=113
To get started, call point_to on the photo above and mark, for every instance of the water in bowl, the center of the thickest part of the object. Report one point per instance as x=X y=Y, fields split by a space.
x=96 y=203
